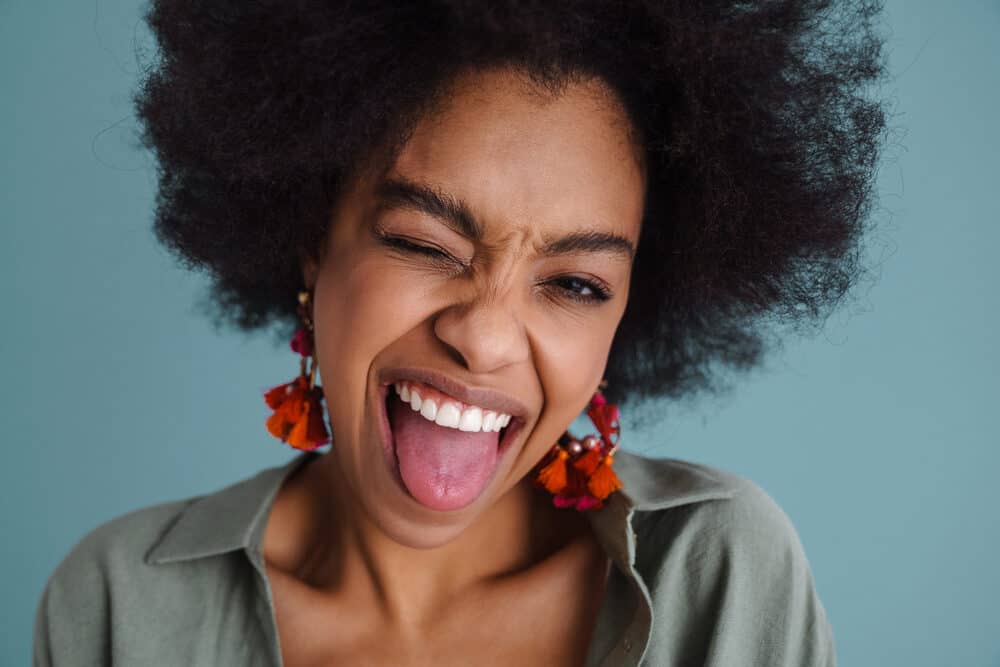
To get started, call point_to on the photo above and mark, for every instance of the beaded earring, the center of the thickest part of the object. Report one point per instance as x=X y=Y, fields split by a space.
x=298 y=405
x=578 y=472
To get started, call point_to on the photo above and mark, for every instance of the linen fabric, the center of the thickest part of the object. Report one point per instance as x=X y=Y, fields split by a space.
x=707 y=570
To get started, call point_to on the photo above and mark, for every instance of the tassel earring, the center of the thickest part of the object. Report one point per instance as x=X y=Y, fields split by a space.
x=579 y=473
x=298 y=405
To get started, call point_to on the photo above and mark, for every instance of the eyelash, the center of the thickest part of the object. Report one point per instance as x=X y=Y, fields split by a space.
x=405 y=245
x=599 y=292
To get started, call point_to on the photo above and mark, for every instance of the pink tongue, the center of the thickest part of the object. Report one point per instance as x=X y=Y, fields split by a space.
x=443 y=468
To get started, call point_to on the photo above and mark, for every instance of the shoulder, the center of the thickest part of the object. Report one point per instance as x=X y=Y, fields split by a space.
x=121 y=542
x=735 y=511
x=732 y=565
x=690 y=504
x=113 y=550
x=104 y=569
x=192 y=557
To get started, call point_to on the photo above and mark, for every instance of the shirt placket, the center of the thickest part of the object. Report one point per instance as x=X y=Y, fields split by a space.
x=613 y=527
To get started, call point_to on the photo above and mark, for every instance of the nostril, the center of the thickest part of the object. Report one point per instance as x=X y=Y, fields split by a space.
x=455 y=354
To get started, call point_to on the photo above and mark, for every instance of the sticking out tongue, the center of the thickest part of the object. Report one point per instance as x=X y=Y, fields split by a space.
x=443 y=468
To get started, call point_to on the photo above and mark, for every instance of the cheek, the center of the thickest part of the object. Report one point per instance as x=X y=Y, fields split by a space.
x=569 y=368
x=366 y=306
x=361 y=308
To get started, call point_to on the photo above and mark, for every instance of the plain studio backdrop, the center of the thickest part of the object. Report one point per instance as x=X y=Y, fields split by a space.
x=877 y=436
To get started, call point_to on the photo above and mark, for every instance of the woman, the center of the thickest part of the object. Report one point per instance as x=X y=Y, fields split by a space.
x=480 y=220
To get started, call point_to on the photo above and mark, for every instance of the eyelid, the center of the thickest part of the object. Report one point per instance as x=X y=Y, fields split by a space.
x=406 y=244
x=602 y=292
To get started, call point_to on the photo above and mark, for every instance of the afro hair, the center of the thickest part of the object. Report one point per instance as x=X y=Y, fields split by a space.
x=759 y=133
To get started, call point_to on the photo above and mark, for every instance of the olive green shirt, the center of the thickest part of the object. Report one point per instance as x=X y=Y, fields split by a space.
x=708 y=570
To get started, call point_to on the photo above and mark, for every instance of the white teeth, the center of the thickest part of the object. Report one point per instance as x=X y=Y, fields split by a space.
x=493 y=421
x=448 y=415
x=429 y=409
x=489 y=419
x=472 y=419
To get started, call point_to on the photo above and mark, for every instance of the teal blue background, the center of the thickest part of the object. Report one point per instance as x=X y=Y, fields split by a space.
x=877 y=436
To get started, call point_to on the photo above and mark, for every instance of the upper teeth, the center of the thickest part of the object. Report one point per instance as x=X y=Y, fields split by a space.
x=450 y=413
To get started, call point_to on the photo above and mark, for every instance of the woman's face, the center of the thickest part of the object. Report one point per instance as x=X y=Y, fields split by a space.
x=487 y=267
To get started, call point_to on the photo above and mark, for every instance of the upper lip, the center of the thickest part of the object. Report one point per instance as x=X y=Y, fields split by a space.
x=484 y=397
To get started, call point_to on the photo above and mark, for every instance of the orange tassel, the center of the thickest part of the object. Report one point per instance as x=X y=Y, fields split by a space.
x=603 y=482
x=585 y=481
x=308 y=431
x=285 y=417
x=298 y=415
x=576 y=482
x=276 y=396
x=295 y=391
x=553 y=475
x=296 y=436
x=317 y=427
x=588 y=462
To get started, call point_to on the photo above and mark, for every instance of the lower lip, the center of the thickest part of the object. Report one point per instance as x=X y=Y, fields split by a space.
x=389 y=446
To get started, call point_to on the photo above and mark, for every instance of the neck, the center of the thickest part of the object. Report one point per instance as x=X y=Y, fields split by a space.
x=323 y=537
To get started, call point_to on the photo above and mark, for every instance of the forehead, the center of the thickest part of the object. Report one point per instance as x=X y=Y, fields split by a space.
x=527 y=160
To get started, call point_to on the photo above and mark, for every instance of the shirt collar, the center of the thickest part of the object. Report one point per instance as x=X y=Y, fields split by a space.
x=652 y=484
x=234 y=518
x=227 y=520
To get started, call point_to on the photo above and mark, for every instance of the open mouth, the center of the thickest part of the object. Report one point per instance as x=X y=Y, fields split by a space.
x=433 y=409
x=444 y=454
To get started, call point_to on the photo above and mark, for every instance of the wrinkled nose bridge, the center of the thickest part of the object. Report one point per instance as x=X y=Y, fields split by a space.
x=485 y=327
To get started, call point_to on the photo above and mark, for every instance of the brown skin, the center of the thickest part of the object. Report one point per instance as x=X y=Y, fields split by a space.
x=507 y=572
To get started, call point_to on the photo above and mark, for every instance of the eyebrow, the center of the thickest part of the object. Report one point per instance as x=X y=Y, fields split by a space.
x=403 y=193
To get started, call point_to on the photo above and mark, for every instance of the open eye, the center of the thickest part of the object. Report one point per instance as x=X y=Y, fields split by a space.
x=583 y=290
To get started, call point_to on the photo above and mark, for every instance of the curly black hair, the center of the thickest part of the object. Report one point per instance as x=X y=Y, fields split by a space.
x=759 y=131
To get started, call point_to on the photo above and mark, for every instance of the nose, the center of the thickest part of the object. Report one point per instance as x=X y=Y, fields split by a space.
x=484 y=335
